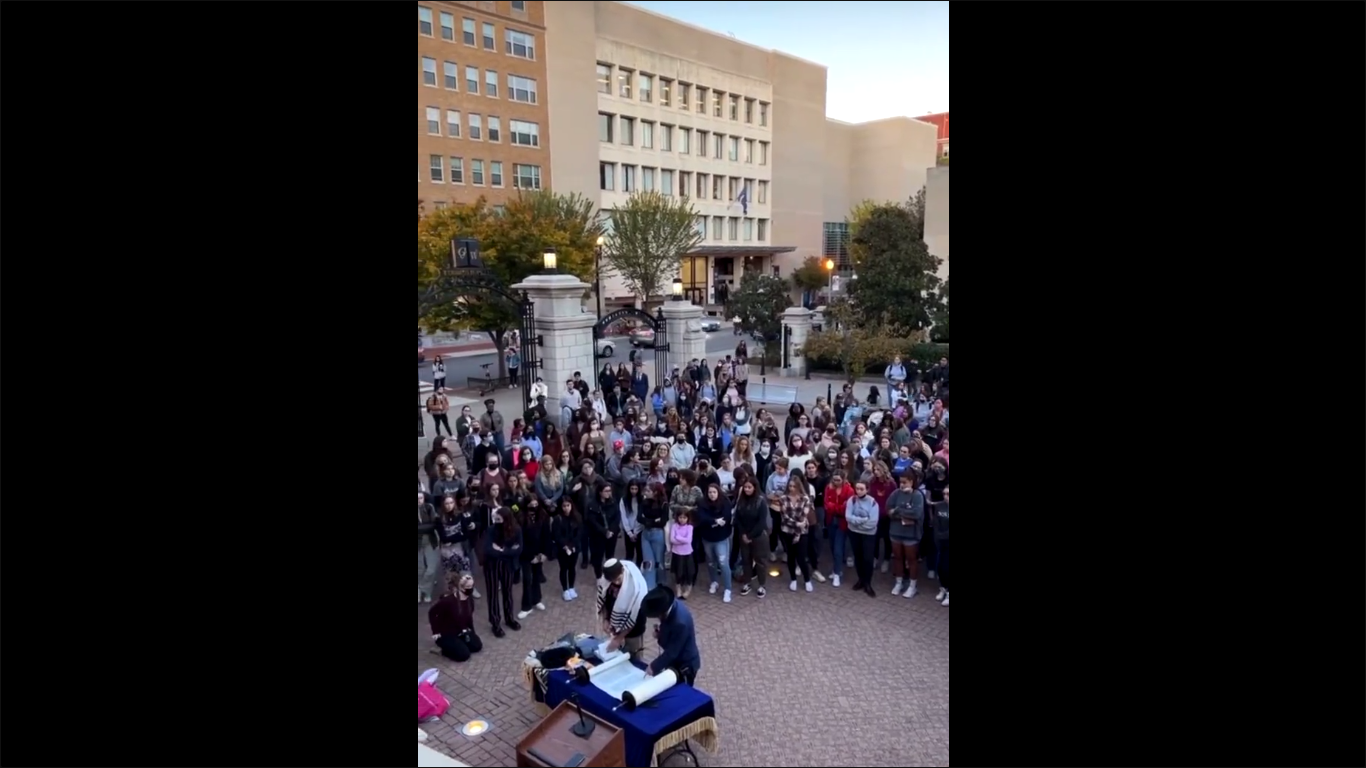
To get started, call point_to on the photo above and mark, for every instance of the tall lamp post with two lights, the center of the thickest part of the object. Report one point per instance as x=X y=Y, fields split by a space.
x=597 y=273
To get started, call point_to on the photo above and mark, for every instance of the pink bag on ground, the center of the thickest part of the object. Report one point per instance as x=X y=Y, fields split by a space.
x=431 y=704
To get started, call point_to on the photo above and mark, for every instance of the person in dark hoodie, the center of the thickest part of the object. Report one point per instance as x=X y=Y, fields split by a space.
x=751 y=535
x=941 y=536
x=537 y=547
x=428 y=561
x=603 y=521
x=502 y=548
x=715 y=525
x=906 y=508
x=565 y=533
x=794 y=414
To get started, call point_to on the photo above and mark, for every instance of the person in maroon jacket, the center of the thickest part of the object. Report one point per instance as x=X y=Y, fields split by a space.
x=452 y=619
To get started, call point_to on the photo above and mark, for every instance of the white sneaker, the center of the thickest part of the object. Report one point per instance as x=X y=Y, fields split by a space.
x=712 y=590
x=573 y=593
x=792 y=585
x=946 y=600
x=911 y=590
x=819 y=576
x=726 y=597
x=849 y=562
x=932 y=574
x=810 y=587
x=773 y=557
x=886 y=566
x=896 y=589
x=943 y=593
x=523 y=614
x=835 y=579
x=540 y=606
x=568 y=595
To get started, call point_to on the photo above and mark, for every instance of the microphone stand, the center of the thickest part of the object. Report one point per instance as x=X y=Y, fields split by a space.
x=584 y=727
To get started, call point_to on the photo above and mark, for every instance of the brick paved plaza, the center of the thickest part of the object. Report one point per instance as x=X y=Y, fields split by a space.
x=828 y=678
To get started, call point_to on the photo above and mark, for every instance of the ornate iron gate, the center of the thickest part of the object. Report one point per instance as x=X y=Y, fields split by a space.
x=661 y=347
x=471 y=277
x=655 y=323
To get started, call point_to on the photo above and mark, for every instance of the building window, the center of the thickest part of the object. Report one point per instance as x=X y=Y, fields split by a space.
x=699 y=223
x=646 y=86
x=763 y=230
x=433 y=121
x=734 y=107
x=763 y=113
x=471 y=79
x=424 y=21
x=525 y=134
x=520 y=5
x=733 y=228
x=647 y=134
x=763 y=193
x=605 y=78
x=717 y=140
x=447 y=26
x=526 y=176
x=732 y=188
x=607 y=175
x=457 y=170
x=477 y=172
x=429 y=71
x=683 y=89
x=441 y=205
x=684 y=183
x=490 y=40
x=716 y=187
x=490 y=83
x=628 y=178
x=605 y=127
x=749 y=230
x=734 y=149
x=495 y=128
x=749 y=150
x=701 y=186
x=666 y=182
x=665 y=88
x=522 y=89
x=451 y=72
x=518 y=44
x=716 y=224
x=715 y=103
x=684 y=135
x=453 y=123
x=763 y=153
x=666 y=138
x=647 y=179
x=624 y=83
x=467 y=31
x=628 y=132
x=701 y=100
x=438 y=170
x=496 y=173
x=499 y=210
x=749 y=111
x=476 y=127
x=836 y=241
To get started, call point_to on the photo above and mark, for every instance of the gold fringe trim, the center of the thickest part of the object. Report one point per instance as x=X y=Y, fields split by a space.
x=704 y=731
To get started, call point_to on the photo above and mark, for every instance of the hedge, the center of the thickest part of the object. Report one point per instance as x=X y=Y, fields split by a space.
x=823 y=352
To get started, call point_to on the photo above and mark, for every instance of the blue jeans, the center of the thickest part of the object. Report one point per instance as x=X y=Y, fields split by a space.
x=837 y=540
x=718 y=559
x=652 y=543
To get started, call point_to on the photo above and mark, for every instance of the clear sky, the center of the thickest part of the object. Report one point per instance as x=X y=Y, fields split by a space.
x=885 y=59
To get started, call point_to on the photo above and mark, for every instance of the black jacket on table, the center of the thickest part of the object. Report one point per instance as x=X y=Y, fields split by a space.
x=565 y=532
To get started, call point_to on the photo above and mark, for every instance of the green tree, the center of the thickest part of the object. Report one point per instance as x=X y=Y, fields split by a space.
x=759 y=303
x=511 y=245
x=648 y=237
x=859 y=214
x=811 y=275
x=897 y=281
x=939 y=332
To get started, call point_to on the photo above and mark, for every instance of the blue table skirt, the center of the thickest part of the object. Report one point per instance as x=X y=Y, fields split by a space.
x=664 y=714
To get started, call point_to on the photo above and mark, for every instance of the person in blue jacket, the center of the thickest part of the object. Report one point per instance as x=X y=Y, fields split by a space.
x=640 y=384
x=675 y=633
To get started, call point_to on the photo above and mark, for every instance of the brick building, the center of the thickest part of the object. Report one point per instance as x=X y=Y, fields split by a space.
x=939 y=120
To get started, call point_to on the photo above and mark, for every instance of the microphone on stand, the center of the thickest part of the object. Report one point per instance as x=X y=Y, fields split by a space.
x=584 y=727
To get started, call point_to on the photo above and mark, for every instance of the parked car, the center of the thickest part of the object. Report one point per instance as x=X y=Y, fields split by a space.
x=711 y=324
x=605 y=348
x=643 y=336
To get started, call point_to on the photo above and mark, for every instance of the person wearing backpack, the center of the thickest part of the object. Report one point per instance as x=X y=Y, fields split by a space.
x=452 y=619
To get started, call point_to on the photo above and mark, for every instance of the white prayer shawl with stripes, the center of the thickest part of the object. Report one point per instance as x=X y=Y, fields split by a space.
x=626 y=608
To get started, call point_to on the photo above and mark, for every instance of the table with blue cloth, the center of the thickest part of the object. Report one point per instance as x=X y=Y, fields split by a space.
x=665 y=722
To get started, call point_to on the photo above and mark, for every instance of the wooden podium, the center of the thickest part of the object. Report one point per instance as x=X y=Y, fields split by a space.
x=605 y=747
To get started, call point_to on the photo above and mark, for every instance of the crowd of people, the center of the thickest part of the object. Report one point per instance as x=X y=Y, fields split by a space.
x=695 y=482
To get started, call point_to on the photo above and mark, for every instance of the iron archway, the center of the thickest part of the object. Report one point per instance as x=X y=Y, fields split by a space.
x=655 y=322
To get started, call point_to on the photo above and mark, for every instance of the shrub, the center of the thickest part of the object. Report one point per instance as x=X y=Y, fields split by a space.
x=866 y=352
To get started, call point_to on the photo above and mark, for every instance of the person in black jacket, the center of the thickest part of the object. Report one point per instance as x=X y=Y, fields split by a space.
x=603 y=521
x=565 y=533
x=537 y=547
x=584 y=489
x=751 y=535
x=654 y=515
x=502 y=548
x=428 y=562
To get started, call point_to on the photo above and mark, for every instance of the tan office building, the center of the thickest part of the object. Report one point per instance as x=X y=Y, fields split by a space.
x=483 y=125
x=643 y=101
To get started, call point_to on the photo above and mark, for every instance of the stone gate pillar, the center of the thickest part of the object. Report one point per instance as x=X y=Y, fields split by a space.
x=687 y=340
x=566 y=333
x=798 y=321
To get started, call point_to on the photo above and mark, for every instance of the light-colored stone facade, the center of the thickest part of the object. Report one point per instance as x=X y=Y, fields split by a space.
x=566 y=332
x=937 y=216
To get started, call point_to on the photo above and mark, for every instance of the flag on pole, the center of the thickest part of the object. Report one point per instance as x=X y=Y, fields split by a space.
x=743 y=200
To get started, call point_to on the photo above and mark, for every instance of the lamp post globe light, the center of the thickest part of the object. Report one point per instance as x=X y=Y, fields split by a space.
x=830 y=280
x=597 y=272
x=678 y=289
x=549 y=260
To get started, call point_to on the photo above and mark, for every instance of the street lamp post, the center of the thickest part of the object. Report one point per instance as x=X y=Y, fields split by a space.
x=829 y=280
x=678 y=289
x=549 y=260
x=597 y=273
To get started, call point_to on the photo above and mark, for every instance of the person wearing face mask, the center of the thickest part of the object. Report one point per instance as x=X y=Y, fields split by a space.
x=537 y=547
x=715 y=525
x=681 y=455
x=775 y=489
x=838 y=493
x=493 y=473
x=936 y=480
x=428 y=561
x=502 y=548
x=565 y=534
x=491 y=421
x=861 y=513
x=816 y=479
x=603 y=521
x=941 y=542
x=709 y=445
x=452 y=619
